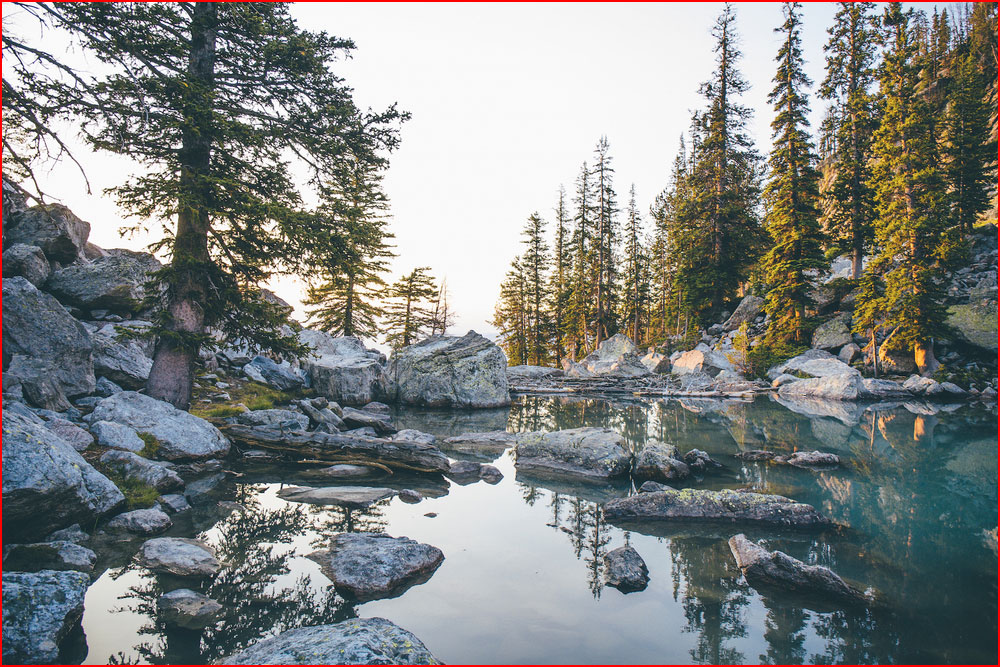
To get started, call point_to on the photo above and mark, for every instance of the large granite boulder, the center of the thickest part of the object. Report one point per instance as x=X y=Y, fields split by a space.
x=133 y=467
x=842 y=387
x=343 y=369
x=37 y=328
x=702 y=359
x=748 y=309
x=27 y=261
x=39 y=610
x=115 y=282
x=181 y=435
x=812 y=363
x=974 y=323
x=616 y=356
x=593 y=453
x=281 y=377
x=660 y=462
x=449 y=371
x=834 y=333
x=47 y=485
x=52 y=227
x=358 y=641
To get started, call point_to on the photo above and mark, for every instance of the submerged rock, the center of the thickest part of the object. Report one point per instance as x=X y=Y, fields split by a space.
x=594 y=453
x=372 y=566
x=625 y=570
x=58 y=555
x=180 y=557
x=699 y=461
x=39 y=611
x=184 y=608
x=141 y=522
x=356 y=497
x=358 y=641
x=413 y=435
x=489 y=443
x=342 y=471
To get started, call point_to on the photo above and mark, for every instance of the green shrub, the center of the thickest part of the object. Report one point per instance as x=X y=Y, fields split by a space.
x=769 y=353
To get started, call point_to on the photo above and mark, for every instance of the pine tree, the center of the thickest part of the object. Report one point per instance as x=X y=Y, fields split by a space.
x=605 y=244
x=577 y=328
x=792 y=194
x=535 y=262
x=559 y=286
x=409 y=313
x=510 y=315
x=850 y=73
x=636 y=292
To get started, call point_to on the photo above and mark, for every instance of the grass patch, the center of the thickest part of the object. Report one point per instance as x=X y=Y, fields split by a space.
x=254 y=395
x=138 y=495
x=151 y=446
x=767 y=354
x=218 y=412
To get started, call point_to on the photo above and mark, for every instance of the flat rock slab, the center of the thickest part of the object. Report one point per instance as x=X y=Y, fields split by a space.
x=726 y=506
x=373 y=566
x=490 y=443
x=179 y=556
x=187 y=609
x=39 y=610
x=814 y=459
x=57 y=555
x=359 y=641
x=625 y=570
x=355 y=497
x=591 y=453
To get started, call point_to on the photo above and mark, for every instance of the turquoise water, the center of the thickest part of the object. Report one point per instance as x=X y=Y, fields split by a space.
x=523 y=570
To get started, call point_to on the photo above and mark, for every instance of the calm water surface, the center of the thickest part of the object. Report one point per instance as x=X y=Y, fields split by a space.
x=523 y=570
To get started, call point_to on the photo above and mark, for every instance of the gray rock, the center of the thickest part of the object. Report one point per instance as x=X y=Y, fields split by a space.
x=27 y=261
x=374 y=406
x=355 y=497
x=115 y=282
x=490 y=474
x=697 y=381
x=116 y=436
x=322 y=415
x=448 y=371
x=124 y=362
x=365 y=431
x=141 y=522
x=106 y=387
x=952 y=388
x=574 y=370
x=748 y=309
x=649 y=486
x=174 y=503
x=343 y=370
x=813 y=363
x=464 y=469
x=136 y=468
x=280 y=377
x=410 y=496
x=975 y=323
x=358 y=419
x=918 y=385
x=775 y=570
x=812 y=459
x=625 y=570
x=71 y=534
x=532 y=372
x=38 y=329
x=489 y=443
x=699 y=461
x=276 y=418
x=47 y=485
x=660 y=462
x=372 y=566
x=843 y=387
x=894 y=361
x=36 y=382
x=181 y=434
x=71 y=433
x=59 y=555
x=358 y=641
x=656 y=363
x=53 y=228
x=184 y=608
x=616 y=356
x=39 y=610
x=849 y=353
x=725 y=506
x=342 y=471
x=593 y=453
x=879 y=388
x=179 y=557
x=705 y=361
x=833 y=333
x=413 y=435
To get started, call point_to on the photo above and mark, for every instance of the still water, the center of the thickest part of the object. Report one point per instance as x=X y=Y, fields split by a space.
x=522 y=580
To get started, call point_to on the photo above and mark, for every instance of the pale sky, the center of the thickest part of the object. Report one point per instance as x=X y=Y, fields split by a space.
x=507 y=101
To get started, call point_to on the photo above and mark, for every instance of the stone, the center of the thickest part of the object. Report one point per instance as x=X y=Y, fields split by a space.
x=70 y=534
x=697 y=381
x=898 y=362
x=879 y=388
x=53 y=228
x=375 y=407
x=413 y=435
x=532 y=372
x=133 y=467
x=343 y=369
x=699 y=461
x=122 y=361
x=27 y=261
x=725 y=506
x=490 y=474
x=58 y=555
x=975 y=323
x=116 y=436
x=625 y=570
x=181 y=435
x=47 y=485
x=777 y=571
x=115 y=282
x=281 y=377
x=184 y=608
x=382 y=424
x=373 y=566
x=180 y=557
x=410 y=496
x=106 y=387
x=342 y=471
x=812 y=363
x=649 y=486
x=39 y=610
x=834 y=333
x=812 y=459
x=37 y=383
x=660 y=462
x=37 y=328
x=747 y=311
x=707 y=361
x=358 y=641
x=849 y=353
x=591 y=453
x=276 y=418
x=321 y=416
x=141 y=522
x=449 y=371
x=174 y=503
x=489 y=443
x=574 y=370
x=71 y=433
x=656 y=363
x=784 y=379
x=355 y=497
x=843 y=387
x=616 y=356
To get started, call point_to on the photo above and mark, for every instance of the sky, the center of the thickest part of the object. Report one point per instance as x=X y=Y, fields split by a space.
x=507 y=101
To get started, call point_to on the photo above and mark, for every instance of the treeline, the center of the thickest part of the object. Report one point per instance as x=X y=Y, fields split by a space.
x=905 y=167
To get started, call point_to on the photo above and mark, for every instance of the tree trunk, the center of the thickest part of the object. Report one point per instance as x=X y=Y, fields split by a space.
x=172 y=374
x=923 y=355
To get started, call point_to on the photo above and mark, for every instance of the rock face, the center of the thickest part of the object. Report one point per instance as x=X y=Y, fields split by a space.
x=355 y=497
x=745 y=312
x=36 y=327
x=449 y=371
x=114 y=282
x=660 y=462
x=46 y=483
x=39 y=610
x=58 y=555
x=617 y=356
x=776 y=570
x=833 y=333
x=372 y=566
x=625 y=570
x=725 y=506
x=181 y=434
x=123 y=362
x=187 y=609
x=359 y=641
x=53 y=228
x=843 y=387
x=279 y=377
x=596 y=453
x=812 y=363
x=117 y=436
x=141 y=522
x=179 y=557
x=27 y=261
x=343 y=370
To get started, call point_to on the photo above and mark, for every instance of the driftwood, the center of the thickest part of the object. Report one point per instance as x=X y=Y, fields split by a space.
x=358 y=449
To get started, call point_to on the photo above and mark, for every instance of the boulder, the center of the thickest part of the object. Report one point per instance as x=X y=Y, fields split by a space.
x=615 y=356
x=849 y=353
x=174 y=503
x=449 y=371
x=813 y=459
x=27 y=261
x=281 y=377
x=625 y=570
x=354 y=497
x=343 y=370
x=36 y=327
x=489 y=443
x=699 y=461
x=53 y=228
x=784 y=379
x=974 y=323
x=77 y=438
x=58 y=555
x=899 y=362
x=532 y=372
x=141 y=522
x=574 y=370
x=115 y=282
x=39 y=610
x=812 y=363
x=133 y=467
x=36 y=383
x=124 y=362
x=413 y=435
x=660 y=462
x=322 y=416
x=877 y=388
x=47 y=485
x=276 y=418
x=341 y=471
x=777 y=571
x=117 y=436
x=834 y=333
x=748 y=309
x=725 y=506
x=649 y=486
x=372 y=566
x=703 y=360
x=843 y=387
x=181 y=435
x=656 y=362
x=184 y=608
x=358 y=641
x=592 y=453
x=179 y=557
x=382 y=424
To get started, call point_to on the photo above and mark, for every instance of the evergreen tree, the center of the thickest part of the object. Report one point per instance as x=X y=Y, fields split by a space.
x=636 y=293
x=510 y=315
x=850 y=73
x=605 y=244
x=409 y=313
x=560 y=281
x=577 y=323
x=535 y=262
x=792 y=194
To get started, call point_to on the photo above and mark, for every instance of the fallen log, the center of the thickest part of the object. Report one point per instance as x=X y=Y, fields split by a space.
x=404 y=455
